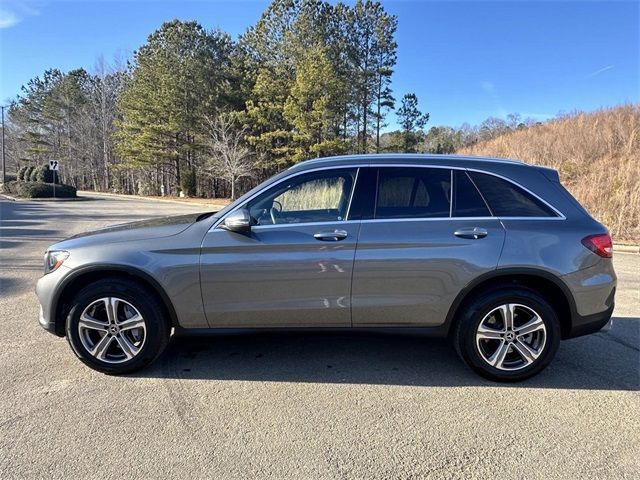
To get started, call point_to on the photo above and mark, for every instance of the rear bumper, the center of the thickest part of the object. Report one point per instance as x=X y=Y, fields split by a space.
x=593 y=290
x=584 y=325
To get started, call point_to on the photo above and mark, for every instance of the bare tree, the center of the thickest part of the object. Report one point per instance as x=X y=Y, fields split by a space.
x=105 y=87
x=228 y=155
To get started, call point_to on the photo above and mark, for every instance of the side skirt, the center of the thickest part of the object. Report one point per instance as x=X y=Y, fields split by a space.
x=438 y=332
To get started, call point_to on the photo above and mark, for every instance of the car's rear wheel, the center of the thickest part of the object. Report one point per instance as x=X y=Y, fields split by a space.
x=508 y=334
x=117 y=326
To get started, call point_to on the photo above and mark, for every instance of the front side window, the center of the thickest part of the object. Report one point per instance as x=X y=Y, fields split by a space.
x=312 y=197
x=507 y=199
x=413 y=193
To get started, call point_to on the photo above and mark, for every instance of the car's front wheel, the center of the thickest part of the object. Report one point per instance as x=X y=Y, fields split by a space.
x=508 y=334
x=117 y=326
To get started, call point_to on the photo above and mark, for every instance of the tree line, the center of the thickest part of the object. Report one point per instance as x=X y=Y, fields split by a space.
x=195 y=111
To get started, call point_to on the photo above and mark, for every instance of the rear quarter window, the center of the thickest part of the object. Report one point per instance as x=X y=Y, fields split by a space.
x=506 y=199
x=467 y=201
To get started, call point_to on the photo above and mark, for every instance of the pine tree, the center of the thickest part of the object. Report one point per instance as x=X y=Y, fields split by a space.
x=371 y=55
x=313 y=107
x=412 y=121
x=179 y=75
x=384 y=55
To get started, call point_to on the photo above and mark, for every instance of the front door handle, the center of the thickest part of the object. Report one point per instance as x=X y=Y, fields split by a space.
x=331 y=235
x=474 y=233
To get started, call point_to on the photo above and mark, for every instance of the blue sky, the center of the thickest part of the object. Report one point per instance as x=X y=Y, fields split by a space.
x=466 y=60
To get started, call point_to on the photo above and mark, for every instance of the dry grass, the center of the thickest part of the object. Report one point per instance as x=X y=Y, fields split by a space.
x=314 y=195
x=597 y=155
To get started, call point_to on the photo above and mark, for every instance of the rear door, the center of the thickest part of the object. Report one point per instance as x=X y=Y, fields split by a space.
x=427 y=234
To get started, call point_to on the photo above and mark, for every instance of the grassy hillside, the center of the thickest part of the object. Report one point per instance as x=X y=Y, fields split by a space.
x=597 y=155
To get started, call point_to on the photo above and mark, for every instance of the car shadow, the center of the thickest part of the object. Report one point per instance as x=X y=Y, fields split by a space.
x=598 y=361
x=10 y=286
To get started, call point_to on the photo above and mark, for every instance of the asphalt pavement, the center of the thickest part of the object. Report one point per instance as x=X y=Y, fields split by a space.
x=299 y=406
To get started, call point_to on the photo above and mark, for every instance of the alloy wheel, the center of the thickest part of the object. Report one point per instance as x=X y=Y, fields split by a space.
x=511 y=337
x=112 y=330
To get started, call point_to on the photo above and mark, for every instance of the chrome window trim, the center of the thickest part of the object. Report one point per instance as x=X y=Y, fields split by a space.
x=560 y=216
x=436 y=219
x=304 y=224
x=301 y=224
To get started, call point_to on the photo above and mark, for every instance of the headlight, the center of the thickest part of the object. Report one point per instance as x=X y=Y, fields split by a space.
x=53 y=259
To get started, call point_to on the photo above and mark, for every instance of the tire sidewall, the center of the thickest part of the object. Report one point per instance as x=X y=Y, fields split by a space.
x=484 y=304
x=157 y=330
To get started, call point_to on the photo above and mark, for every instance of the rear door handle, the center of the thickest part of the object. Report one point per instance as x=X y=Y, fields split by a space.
x=474 y=233
x=331 y=235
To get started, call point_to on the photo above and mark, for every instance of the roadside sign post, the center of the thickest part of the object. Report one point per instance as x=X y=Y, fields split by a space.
x=4 y=167
x=54 y=165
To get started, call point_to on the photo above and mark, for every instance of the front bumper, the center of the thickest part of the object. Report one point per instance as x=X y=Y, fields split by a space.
x=45 y=291
x=46 y=323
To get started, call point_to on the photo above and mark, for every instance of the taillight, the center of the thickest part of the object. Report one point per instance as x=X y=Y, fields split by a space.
x=600 y=244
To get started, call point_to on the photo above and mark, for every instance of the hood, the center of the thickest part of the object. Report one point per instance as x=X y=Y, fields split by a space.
x=142 y=230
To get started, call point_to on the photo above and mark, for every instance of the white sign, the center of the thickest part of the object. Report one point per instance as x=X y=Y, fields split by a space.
x=54 y=165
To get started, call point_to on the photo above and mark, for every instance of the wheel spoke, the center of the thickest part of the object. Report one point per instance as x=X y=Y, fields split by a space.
x=91 y=323
x=100 y=349
x=527 y=353
x=134 y=322
x=128 y=348
x=532 y=325
x=111 y=306
x=487 y=333
x=507 y=312
x=498 y=356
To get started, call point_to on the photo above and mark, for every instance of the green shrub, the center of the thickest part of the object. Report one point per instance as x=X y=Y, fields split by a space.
x=21 y=171
x=188 y=182
x=36 y=173
x=26 y=176
x=45 y=190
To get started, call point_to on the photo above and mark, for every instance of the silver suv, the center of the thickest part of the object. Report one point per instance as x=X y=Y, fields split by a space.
x=495 y=255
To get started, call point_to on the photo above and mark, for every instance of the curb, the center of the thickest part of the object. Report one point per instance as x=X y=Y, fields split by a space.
x=18 y=199
x=148 y=199
x=626 y=248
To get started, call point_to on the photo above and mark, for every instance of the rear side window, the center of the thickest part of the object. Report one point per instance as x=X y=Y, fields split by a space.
x=508 y=200
x=467 y=201
x=413 y=193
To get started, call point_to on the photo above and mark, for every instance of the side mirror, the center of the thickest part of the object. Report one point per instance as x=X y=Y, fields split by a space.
x=238 y=221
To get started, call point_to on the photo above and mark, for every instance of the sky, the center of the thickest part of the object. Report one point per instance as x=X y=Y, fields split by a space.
x=465 y=60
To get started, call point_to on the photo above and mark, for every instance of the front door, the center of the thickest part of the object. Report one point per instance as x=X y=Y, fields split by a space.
x=294 y=267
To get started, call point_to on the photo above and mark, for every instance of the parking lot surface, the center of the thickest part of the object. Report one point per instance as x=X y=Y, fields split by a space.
x=299 y=406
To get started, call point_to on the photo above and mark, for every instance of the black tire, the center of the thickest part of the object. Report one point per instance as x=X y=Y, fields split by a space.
x=157 y=326
x=475 y=310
